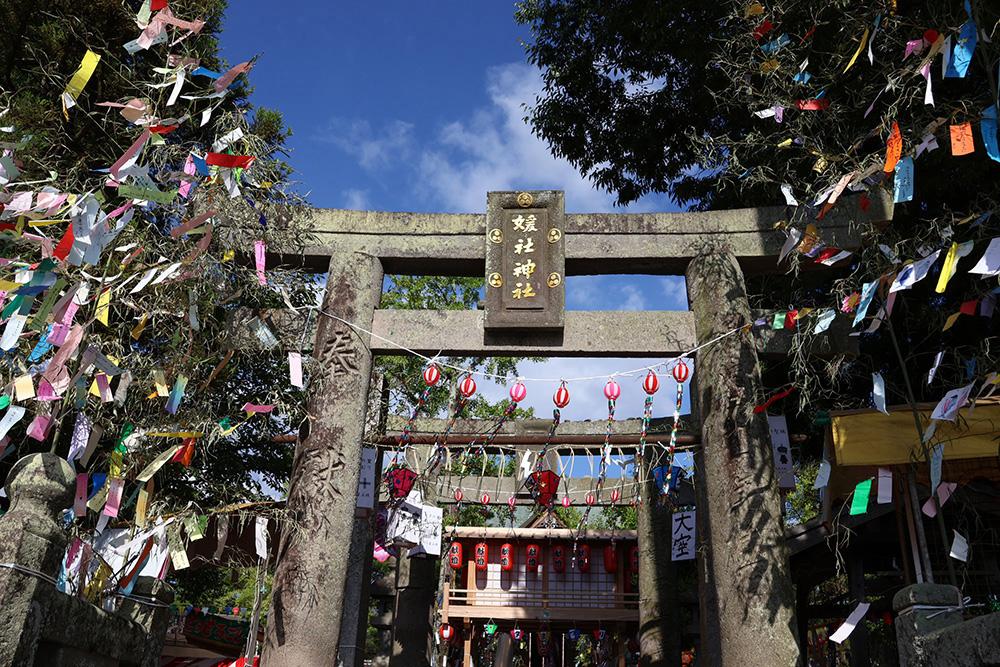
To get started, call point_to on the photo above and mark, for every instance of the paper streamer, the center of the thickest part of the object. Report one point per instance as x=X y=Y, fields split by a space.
x=878 y=393
x=944 y=492
x=80 y=501
x=845 y=630
x=259 y=254
x=884 y=486
x=859 y=501
x=903 y=185
x=176 y=394
x=295 y=369
x=79 y=80
x=260 y=537
x=114 y=498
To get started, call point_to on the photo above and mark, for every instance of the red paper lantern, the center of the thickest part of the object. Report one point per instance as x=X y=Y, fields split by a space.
x=447 y=632
x=633 y=558
x=591 y=499
x=432 y=375
x=559 y=558
x=612 y=390
x=681 y=372
x=506 y=557
x=459 y=495
x=566 y=501
x=455 y=556
x=511 y=502
x=610 y=558
x=651 y=384
x=616 y=495
x=583 y=558
x=532 y=555
x=482 y=556
x=518 y=392
x=561 y=397
x=485 y=499
x=467 y=387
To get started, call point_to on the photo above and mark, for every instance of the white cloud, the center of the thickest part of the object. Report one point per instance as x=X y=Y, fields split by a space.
x=675 y=291
x=355 y=199
x=373 y=150
x=633 y=298
x=494 y=149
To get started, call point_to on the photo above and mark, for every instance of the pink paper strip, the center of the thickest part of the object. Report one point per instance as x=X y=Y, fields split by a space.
x=58 y=334
x=39 y=427
x=944 y=491
x=46 y=392
x=80 y=502
x=104 y=388
x=295 y=369
x=258 y=252
x=129 y=157
x=189 y=169
x=223 y=81
x=252 y=407
x=114 y=498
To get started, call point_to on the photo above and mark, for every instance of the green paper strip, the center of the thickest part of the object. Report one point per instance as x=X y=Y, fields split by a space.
x=779 y=321
x=50 y=300
x=859 y=504
x=150 y=194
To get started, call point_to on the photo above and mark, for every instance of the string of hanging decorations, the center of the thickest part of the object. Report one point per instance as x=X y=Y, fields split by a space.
x=665 y=365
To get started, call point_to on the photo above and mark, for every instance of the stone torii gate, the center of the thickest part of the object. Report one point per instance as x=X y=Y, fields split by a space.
x=746 y=596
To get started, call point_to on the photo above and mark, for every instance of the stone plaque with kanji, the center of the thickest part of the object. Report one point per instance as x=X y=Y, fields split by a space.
x=525 y=260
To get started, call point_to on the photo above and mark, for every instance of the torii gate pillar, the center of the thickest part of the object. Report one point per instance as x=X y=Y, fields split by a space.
x=306 y=606
x=746 y=595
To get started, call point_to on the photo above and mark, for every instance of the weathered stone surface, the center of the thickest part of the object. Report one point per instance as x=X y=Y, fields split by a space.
x=747 y=598
x=452 y=244
x=43 y=626
x=659 y=638
x=306 y=605
x=930 y=630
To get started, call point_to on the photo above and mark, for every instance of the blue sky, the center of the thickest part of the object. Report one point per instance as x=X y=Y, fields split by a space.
x=408 y=106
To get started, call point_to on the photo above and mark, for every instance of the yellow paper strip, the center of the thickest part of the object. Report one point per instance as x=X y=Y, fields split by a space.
x=176 y=434
x=137 y=329
x=951 y=320
x=80 y=79
x=160 y=380
x=103 y=309
x=24 y=388
x=861 y=47
x=157 y=463
x=947 y=269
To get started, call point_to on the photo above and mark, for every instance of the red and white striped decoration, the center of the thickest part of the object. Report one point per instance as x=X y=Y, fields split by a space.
x=485 y=499
x=616 y=495
x=459 y=495
x=446 y=632
x=518 y=392
x=590 y=499
x=432 y=375
x=651 y=384
x=561 y=397
x=467 y=387
x=566 y=501
x=511 y=502
x=612 y=390
x=681 y=372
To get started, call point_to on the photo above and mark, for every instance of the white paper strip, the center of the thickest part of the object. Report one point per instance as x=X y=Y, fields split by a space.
x=682 y=540
x=260 y=537
x=878 y=393
x=823 y=475
x=366 y=481
x=781 y=449
x=845 y=630
x=959 y=547
x=884 y=486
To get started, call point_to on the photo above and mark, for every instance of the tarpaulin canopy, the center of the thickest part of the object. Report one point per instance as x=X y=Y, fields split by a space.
x=870 y=438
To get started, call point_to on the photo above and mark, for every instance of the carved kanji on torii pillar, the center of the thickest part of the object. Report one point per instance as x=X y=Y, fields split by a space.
x=737 y=502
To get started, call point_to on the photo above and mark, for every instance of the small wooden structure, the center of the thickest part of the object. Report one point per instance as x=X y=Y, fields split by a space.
x=603 y=596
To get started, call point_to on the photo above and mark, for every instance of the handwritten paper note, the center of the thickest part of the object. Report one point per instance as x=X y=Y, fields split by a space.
x=114 y=497
x=893 y=149
x=782 y=451
x=682 y=542
x=903 y=183
x=959 y=547
x=961 y=139
x=884 y=486
x=260 y=537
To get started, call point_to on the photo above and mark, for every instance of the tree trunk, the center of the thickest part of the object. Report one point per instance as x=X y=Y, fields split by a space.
x=306 y=604
x=659 y=627
x=746 y=592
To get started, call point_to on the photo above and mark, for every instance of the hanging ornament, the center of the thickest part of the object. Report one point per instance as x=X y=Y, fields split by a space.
x=532 y=554
x=566 y=501
x=485 y=500
x=610 y=558
x=490 y=628
x=591 y=499
x=573 y=634
x=612 y=390
x=516 y=634
x=432 y=375
x=651 y=384
x=447 y=632
x=467 y=387
x=455 y=556
x=511 y=502
x=459 y=495
x=482 y=556
x=583 y=558
x=542 y=485
x=561 y=397
x=616 y=495
x=518 y=392
x=506 y=557
x=681 y=372
x=399 y=481
x=559 y=558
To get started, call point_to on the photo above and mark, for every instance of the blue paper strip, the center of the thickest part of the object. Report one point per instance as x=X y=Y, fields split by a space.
x=965 y=46
x=41 y=347
x=904 y=180
x=988 y=126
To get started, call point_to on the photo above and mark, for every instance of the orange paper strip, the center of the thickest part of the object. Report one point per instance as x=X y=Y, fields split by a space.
x=961 y=139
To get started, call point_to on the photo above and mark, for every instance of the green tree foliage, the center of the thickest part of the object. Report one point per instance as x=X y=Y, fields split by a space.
x=627 y=84
x=182 y=326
